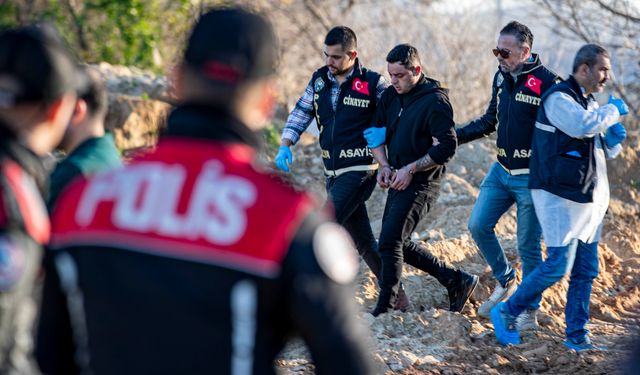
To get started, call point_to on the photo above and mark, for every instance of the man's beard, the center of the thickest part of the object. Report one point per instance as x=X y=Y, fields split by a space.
x=341 y=72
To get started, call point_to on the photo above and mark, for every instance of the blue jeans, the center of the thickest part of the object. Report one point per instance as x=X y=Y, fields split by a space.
x=579 y=257
x=348 y=193
x=498 y=192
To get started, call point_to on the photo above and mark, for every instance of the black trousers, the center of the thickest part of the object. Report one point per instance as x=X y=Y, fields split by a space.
x=403 y=211
x=348 y=193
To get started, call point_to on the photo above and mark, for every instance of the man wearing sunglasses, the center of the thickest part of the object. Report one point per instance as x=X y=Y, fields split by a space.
x=342 y=98
x=572 y=139
x=517 y=87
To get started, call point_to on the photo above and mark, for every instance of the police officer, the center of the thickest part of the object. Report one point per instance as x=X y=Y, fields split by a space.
x=191 y=260
x=342 y=97
x=38 y=82
x=572 y=139
x=517 y=87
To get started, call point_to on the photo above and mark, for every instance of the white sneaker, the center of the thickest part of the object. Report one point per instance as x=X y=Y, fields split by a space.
x=500 y=294
x=527 y=320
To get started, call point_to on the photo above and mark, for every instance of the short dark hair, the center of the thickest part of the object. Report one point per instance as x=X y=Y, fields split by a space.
x=588 y=54
x=230 y=46
x=342 y=35
x=520 y=31
x=405 y=54
x=229 y=49
x=94 y=93
x=35 y=66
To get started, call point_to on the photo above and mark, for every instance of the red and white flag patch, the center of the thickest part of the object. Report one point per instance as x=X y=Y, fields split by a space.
x=533 y=84
x=360 y=86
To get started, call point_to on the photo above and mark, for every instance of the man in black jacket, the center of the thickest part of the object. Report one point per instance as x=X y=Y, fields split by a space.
x=38 y=83
x=414 y=112
x=191 y=260
x=517 y=87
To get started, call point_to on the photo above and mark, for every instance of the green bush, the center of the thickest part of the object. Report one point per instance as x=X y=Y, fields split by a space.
x=142 y=33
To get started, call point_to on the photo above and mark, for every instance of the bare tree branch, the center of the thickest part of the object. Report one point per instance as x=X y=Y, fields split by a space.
x=617 y=12
x=315 y=11
x=563 y=21
x=77 y=23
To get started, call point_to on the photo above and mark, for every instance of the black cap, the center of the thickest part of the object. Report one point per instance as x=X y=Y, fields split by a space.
x=231 y=45
x=35 y=66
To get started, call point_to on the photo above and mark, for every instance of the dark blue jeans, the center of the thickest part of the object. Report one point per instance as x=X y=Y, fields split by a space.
x=403 y=211
x=348 y=193
x=582 y=260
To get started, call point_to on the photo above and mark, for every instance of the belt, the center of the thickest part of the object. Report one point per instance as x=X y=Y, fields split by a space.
x=355 y=168
x=515 y=172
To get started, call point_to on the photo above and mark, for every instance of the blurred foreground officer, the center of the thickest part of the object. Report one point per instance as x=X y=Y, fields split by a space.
x=37 y=92
x=89 y=148
x=190 y=260
x=572 y=139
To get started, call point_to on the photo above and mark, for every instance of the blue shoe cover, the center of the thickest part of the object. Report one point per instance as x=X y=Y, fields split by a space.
x=504 y=326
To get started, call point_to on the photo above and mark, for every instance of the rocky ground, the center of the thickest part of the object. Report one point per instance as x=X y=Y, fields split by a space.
x=428 y=339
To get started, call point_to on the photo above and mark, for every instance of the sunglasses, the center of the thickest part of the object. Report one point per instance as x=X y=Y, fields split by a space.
x=503 y=52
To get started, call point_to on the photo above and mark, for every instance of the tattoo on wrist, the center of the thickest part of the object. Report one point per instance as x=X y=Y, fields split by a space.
x=424 y=163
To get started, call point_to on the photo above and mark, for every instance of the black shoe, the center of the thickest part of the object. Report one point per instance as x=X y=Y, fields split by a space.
x=459 y=294
x=379 y=310
x=384 y=303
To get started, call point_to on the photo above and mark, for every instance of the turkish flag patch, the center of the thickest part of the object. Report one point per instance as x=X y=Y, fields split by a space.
x=533 y=84
x=360 y=86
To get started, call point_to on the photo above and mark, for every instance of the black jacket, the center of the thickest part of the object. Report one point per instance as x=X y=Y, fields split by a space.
x=512 y=111
x=341 y=130
x=24 y=229
x=220 y=266
x=412 y=119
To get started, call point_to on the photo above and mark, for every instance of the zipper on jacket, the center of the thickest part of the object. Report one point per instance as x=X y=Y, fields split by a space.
x=507 y=143
x=333 y=128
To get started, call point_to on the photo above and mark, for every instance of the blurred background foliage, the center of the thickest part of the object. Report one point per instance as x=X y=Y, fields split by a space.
x=143 y=33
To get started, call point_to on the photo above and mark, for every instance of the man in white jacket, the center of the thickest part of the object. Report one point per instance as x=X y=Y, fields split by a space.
x=572 y=139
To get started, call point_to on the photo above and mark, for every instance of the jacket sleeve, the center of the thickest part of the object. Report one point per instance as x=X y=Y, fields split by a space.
x=442 y=127
x=54 y=345
x=318 y=275
x=484 y=125
x=380 y=116
x=300 y=117
x=570 y=117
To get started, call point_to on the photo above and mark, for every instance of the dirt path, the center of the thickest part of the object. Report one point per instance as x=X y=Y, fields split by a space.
x=430 y=340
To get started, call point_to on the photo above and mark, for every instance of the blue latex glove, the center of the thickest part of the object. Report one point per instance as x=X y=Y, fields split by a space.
x=375 y=136
x=620 y=104
x=284 y=158
x=615 y=135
